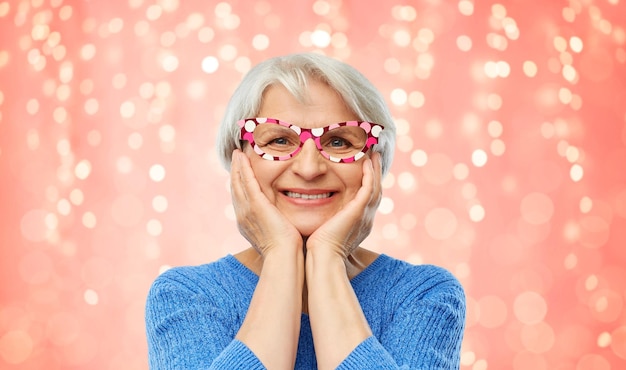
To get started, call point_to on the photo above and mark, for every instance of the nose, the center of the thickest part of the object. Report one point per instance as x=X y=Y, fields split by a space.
x=309 y=163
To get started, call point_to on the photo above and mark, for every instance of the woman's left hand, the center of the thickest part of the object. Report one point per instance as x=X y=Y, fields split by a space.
x=343 y=232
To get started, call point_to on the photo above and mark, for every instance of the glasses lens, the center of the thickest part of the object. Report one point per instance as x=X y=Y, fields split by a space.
x=344 y=142
x=276 y=140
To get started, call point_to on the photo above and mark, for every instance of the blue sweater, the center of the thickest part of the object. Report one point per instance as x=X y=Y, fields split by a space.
x=416 y=314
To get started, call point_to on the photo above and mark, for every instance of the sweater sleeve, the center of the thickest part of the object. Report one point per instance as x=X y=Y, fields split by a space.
x=189 y=329
x=424 y=331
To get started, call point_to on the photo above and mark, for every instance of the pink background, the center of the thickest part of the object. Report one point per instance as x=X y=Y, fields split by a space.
x=510 y=167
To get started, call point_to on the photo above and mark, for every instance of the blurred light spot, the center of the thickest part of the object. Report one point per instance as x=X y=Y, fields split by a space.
x=576 y=44
x=492 y=311
x=618 y=342
x=91 y=106
x=119 y=82
x=494 y=128
x=419 y=158
x=320 y=38
x=77 y=197
x=467 y=358
x=398 y=97
x=91 y=297
x=536 y=208
x=416 y=99
x=497 y=41
x=494 y=101
x=210 y=64
x=153 y=12
x=569 y=14
x=530 y=308
x=228 y=52
x=89 y=220
x=576 y=172
x=321 y=7
x=497 y=147
x=479 y=158
x=406 y=181
x=585 y=204
x=127 y=109
x=460 y=171
x=570 y=262
x=260 y=42
x=529 y=68
x=389 y=181
x=159 y=203
x=16 y=346
x=124 y=164
x=157 y=173
x=206 y=35
x=154 y=227
x=169 y=63
x=572 y=154
x=594 y=231
x=466 y=7
x=135 y=141
x=405 y=13
x=82 y=169
x=440 y=223
x=434 y=129
x=606 y=305
x=604 y=339
x=468 y=191
x=64 y=207
x=386 y=206
x=476 y=213
x=33 y=225
x=402 y=38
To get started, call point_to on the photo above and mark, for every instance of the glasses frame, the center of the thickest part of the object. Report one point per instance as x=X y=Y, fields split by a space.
x=248 y=125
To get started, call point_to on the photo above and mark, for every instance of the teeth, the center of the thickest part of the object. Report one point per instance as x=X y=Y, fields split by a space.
x=291 y=194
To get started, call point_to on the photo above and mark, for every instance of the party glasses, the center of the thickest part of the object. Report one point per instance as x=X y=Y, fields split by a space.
x=341 y=142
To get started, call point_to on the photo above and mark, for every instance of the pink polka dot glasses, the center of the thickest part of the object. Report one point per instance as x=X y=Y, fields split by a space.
x=342 y=142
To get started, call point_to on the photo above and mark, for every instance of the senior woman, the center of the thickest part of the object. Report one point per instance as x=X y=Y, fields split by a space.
x=306 y=139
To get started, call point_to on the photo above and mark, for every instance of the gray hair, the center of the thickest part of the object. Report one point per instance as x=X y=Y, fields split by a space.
x=293 y=71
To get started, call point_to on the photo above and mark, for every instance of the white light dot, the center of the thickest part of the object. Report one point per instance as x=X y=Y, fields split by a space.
x=159 y=203
x=154 y=227
x=479 y=158
x=157 y=173
x=477 y=213
x=82 y=169
x=386 y=206
x=576 y=172
x=419 y=158
x=210 y=64
x=91 y=297
x=260 y=42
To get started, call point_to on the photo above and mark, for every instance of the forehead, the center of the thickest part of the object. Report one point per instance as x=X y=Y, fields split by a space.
x=320 y=106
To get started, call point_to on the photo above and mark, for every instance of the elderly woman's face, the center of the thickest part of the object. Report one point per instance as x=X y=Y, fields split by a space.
x=308 y=188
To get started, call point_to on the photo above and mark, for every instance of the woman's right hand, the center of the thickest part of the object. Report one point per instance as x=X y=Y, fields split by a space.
x=258 y=220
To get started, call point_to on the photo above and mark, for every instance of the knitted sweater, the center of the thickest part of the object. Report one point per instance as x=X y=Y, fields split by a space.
x=416 y=314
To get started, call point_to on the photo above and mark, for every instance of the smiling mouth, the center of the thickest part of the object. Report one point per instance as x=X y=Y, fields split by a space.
x=291 y=194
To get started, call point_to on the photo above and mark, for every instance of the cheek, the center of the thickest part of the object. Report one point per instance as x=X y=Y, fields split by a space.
x=265 y=173
x=352 y=178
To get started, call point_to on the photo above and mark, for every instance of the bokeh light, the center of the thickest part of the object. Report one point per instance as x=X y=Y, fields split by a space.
x=510 y=166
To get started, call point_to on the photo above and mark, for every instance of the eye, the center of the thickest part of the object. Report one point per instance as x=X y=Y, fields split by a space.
x=279 y=141
x=338 y=142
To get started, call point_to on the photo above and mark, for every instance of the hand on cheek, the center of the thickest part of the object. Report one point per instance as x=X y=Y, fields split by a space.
x=342 y=233
x=259 y=221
